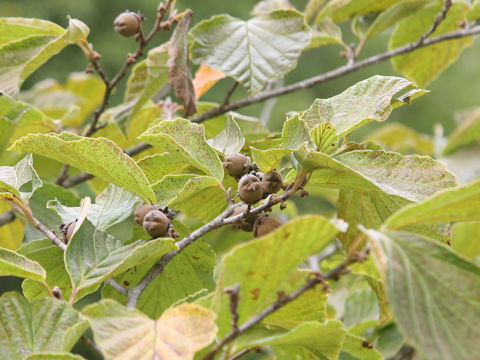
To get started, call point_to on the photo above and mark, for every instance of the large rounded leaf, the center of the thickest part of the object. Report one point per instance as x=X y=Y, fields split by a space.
x=254 y=52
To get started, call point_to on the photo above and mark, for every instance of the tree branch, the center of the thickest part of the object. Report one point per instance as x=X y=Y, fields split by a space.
x=221 y=220
x=304 y=84
x=343 y=70
x=333 y=274
x=7 y=217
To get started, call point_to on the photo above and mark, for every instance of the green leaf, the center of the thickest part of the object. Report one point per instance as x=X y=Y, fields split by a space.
x=392 y=15
x=371 y=209
x=50 y=257
x=253 y=52
x=462 y=235
x=44 y=325
x=38 y=205
x=111 y=207
x=198 y=194
x=326 y=32
x=179 y=72
x=148 y=77
x=168 y=188
x=15 y=179
x=93 y=256
x=157 y=166
x=71 y=102
x=340 y=10
x=467 y=133
x=434 y=294
x=322 y=339
x=185 y=141
x=411 y=177
x=354 y=348
x=369 y=100
x=99 y=157
x=188 y=275
x=310 y=306
x=18 y=119
x=456 y=204
x=123 y=333
x=294 y=133
x=14 y=264
x=265 y=7
x=54 y=356
x=325 y=138
x=269 y=159
x=261 y=266
x=474 y=13
x=400 y=138
x=29 y=43
x=230 y=140
x=425 y=64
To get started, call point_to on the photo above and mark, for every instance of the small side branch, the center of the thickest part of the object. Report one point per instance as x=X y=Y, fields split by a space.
x=333 y=274
x=232 y=293
x=438 y=19
x=131 y=59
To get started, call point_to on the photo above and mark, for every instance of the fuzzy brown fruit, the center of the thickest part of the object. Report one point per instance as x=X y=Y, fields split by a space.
x=237 y=165
x=272 y=182
x=250 y=189
x=127 y=24
x=155 y=223
x=141 y=211
x=246 y=223
x=264 y=225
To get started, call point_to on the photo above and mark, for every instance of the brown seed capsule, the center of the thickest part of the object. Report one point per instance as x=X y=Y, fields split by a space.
x=264 y=225
x=142 y=210
x=155 y=223
x=67 y=230
x=272 y=182
x=250 y=189
x=246 y=223
x=237 y=165
x=127 y=23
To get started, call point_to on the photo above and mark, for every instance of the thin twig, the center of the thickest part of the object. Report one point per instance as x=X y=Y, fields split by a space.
x=92 y=345
x=438 y=19
x=131 y=59
x=232 y=293
x=343 y=70
x=307 y=83
x=240 y=354
x=63 y=175
x=7 y=217
x=229 y=94
x=333 y=274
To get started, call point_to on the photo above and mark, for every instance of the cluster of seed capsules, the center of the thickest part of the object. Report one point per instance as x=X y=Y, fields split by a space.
x=252 y=187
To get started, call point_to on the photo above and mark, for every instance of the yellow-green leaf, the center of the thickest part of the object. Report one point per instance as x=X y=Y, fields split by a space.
x=185 y=141
x=99 y=157
x=124 y=334
x=425 y=64
x=28 y=44
x=14 y=264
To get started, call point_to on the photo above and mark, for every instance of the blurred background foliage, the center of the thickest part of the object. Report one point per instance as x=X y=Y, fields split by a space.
x=455 y=89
